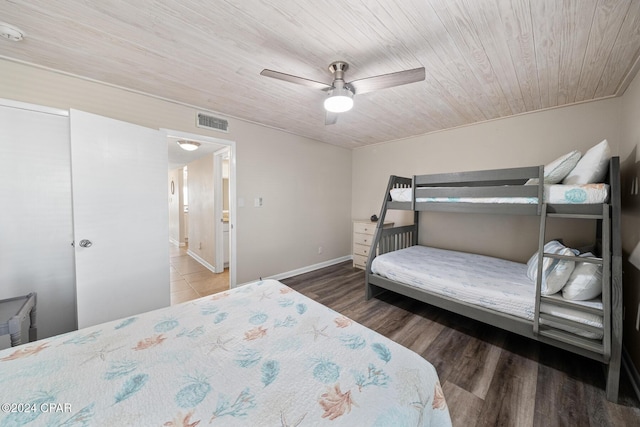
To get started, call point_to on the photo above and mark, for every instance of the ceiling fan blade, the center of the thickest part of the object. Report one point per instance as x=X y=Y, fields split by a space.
x=330 y=118
x=295 y=79
x=384 y=81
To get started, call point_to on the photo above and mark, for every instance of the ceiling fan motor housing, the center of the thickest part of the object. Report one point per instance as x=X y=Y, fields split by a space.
x=338 y=68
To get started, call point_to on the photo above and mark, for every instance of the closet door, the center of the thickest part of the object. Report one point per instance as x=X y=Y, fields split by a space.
x=36 y=228
x=119 y=176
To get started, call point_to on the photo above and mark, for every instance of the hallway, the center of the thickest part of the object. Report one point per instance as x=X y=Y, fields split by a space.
x=190 y=279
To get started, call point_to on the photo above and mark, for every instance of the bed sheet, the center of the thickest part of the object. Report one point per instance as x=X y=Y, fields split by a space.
x=554 y=193
x=485 y=281
x=259 y=355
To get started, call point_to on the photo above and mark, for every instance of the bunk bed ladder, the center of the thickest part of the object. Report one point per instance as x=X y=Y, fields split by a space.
x=391 y=239
x=541 y=238
x=602 y=347
x=609 y=235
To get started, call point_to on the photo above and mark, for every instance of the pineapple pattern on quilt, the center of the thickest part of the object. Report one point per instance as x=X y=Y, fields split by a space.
x=261 y=354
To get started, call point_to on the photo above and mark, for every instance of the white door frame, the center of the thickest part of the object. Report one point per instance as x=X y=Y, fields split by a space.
x=232 y=191
x=218 y=201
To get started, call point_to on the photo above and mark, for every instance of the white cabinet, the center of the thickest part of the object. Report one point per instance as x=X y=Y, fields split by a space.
x=363 y=233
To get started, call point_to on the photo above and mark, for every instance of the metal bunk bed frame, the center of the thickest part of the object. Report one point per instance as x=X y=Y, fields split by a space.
x=509 y=183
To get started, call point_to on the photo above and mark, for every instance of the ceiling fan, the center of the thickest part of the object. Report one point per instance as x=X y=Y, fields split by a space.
x=340 y=93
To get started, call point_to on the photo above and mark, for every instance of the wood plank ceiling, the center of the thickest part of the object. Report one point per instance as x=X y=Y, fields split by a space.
x=484 y=59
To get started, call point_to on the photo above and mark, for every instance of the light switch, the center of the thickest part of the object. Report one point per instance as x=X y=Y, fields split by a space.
x=241 y=202
x=257 y=202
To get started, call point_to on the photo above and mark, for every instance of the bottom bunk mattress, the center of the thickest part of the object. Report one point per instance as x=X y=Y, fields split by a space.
x=488 y=282
x=258 y=355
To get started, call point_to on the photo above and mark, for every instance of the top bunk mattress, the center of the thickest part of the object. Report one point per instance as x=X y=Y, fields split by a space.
x=484 y=281
x=553 y=193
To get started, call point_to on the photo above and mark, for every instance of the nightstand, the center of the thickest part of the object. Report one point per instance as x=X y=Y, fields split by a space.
x=363 y=233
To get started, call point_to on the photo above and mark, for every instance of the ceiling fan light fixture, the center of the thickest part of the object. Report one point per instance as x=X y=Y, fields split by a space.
x=339 y=100
x=188 y=145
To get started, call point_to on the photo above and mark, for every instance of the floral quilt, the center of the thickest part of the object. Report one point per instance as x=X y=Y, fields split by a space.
x=258 y=355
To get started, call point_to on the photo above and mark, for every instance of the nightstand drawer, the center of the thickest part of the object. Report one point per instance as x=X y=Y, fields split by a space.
x=364 y=228
x=362 y=239
x=361 y=250
x=359 y=261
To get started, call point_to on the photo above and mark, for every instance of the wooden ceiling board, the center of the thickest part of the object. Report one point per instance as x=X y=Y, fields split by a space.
x=605 y=28
x=483 y=59
x=627 y=46
x=573 y=39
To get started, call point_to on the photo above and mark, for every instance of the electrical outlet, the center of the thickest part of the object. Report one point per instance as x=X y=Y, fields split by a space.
x=319 y=249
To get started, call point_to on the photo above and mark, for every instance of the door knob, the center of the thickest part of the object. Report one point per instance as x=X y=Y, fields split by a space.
x=84 y=243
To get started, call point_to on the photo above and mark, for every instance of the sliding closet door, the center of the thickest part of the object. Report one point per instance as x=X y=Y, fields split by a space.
x=36 y=227
x=119 y=175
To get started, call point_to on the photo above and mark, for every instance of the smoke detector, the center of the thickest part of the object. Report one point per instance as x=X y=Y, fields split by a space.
x=10 y=32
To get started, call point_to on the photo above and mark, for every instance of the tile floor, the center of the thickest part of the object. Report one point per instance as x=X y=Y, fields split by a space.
x=190 y=279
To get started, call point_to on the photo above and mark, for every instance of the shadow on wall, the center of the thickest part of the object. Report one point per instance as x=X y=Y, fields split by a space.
x=629 y=183
x=630 y=200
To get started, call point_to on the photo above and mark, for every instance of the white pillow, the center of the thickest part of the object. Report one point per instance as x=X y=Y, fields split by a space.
x=585 y=281
x=593 y=166
x=555 y=171
x=555 y=272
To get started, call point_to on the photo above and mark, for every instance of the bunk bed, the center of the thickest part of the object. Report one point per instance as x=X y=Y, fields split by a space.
x=472 y=285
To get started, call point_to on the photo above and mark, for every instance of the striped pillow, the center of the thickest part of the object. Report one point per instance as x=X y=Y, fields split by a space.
x=555 y=272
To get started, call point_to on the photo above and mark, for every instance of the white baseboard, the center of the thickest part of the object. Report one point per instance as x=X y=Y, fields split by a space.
x=631 y=370
x=201 y=261
x=303 y=270
x=174 y=242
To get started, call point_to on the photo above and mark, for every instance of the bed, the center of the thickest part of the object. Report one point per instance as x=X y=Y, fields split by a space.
x=521 y=298
x=261 y=354
x=487 y=282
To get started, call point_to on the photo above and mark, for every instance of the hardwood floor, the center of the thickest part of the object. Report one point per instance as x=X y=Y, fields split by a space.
x=190 y=279
x=489 y=376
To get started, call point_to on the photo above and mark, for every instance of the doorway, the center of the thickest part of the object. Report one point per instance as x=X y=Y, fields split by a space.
x=205 y=240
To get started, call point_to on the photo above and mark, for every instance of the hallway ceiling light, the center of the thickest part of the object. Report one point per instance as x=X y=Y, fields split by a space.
x=188 y=145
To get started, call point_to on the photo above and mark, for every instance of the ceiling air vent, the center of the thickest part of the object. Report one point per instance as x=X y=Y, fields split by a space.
x=211 y=122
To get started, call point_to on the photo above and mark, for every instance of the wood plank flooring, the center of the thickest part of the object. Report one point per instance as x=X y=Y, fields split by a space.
x=489 y=377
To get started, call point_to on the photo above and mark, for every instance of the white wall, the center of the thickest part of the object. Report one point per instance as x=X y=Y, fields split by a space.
x=630 y=165
x=530 y=139
x=305 y=185
x=202 y=239
x=306 y=191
